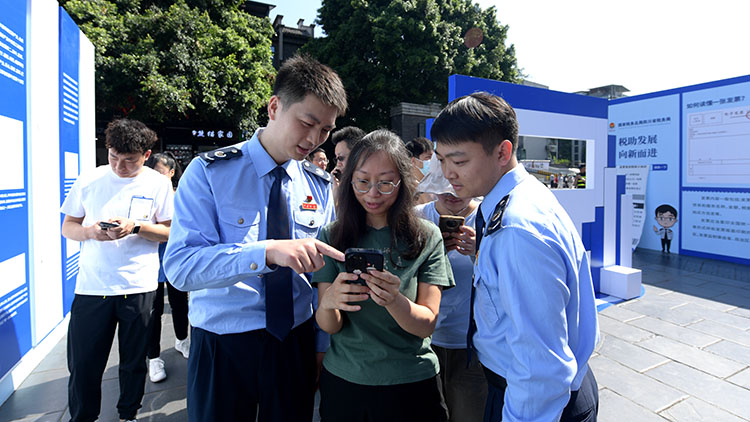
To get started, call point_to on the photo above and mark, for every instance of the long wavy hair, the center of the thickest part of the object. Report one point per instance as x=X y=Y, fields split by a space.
x=407 y=234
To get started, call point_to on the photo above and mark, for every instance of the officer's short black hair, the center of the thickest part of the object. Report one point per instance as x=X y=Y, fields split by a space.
x=128 y=136
x=302 y=75
x=418 y=146
x=349 y=134
x=661 y=209
x=479 y=117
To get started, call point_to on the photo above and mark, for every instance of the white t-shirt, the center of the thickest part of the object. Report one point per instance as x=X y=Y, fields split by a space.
x=129 y=265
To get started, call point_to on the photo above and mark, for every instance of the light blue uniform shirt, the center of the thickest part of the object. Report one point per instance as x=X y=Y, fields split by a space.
x=217 y=246
x=534 y=301
x=453 y=318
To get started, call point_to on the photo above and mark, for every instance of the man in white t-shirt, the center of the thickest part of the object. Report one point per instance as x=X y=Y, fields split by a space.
x=119 y=213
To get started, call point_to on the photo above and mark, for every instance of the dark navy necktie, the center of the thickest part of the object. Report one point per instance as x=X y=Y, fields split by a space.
x=473 y=325
x=279 y=308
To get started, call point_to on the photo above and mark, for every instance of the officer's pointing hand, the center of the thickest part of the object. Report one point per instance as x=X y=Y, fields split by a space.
x=301 y=255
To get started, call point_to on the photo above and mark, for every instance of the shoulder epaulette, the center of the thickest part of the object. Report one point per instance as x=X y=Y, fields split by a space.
x=312 y=168
x=226 y=153
x=496 y=221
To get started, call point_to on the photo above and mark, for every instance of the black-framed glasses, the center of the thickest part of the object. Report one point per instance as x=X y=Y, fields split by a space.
x=364 y=186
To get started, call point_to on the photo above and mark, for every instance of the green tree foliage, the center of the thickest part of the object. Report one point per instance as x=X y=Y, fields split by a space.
x=404 y=50
x=206 y=61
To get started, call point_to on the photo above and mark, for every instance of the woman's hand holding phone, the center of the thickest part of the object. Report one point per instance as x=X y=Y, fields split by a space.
x=384 y=286
x=342 y=292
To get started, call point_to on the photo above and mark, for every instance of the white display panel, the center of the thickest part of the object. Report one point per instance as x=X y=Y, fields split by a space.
x=648 y=134
x=718 y=147
x=716 y=133
x=11 y=172
x=716 y=223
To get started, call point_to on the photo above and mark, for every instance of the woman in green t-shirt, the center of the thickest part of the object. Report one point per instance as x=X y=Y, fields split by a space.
x=380 y=366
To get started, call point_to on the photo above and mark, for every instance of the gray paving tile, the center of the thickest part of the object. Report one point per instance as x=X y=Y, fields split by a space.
x=722 y=394
x=46 y=417
x=57 y=359
x=742 y=379
x=692 y=356
x=742 y=292
x=694 y=410
x=655 y=289
x=724 y=317
x=724 y=331
x=654 y=304
x=615 y=408
x=711 y=303
x=37 y=396
x=683 y=315
x=675 y=332
x=727 y=281
x=641 y=389
x=632 y=356
x=742 y=311
x=176 y=367
x=622 y=330
x=164 y=406
x=621 y=314
x=731 y=350
x=707 y=290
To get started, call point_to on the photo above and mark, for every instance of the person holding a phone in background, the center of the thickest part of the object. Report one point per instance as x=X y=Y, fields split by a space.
x=464 y=387
x=166 y=164
x=119 y=213
x=243 y=243
x=380 y=366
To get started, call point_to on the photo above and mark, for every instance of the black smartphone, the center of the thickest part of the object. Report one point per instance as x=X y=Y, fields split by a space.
x=358 y=261
x=107 y=225
x=450 y=223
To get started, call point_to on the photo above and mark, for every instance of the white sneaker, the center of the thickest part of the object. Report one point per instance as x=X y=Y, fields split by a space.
x=183 y=346
x=156 y=370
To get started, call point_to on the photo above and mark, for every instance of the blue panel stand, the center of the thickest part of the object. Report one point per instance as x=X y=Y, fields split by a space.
x=69 y=139
x=15 y=312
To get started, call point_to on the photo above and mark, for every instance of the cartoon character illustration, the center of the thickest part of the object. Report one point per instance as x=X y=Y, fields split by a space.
x=666 y=217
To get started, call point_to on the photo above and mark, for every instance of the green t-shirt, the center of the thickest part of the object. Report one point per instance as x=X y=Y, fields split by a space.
x=371 y=348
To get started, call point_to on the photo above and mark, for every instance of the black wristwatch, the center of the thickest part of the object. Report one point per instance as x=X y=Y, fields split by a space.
x=136 y=229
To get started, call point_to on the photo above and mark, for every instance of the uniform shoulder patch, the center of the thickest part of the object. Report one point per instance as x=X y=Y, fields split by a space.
x=226 y=153
x=312 y=168
x=496 y=220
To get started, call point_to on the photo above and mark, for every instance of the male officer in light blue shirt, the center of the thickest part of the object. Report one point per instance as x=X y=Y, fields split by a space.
x=536 y=323
x=225 y=249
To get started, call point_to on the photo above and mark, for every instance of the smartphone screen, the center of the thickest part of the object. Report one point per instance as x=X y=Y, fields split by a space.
x=358 y=261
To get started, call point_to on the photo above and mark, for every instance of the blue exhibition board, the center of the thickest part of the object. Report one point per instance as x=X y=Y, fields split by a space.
x=553 y=114
x=696 y=142
x=15 y=313
x=69 y=142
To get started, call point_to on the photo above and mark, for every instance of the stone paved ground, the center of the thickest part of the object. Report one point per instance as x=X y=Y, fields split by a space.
x=682 y=351
x=679 y=353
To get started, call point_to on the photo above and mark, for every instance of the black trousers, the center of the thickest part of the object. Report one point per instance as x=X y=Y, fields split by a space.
x=178 y=301
x=344 y=401
x=464 y=388
x=665 y=244
x=234 y=377
x=583 y=405
x=93 y=321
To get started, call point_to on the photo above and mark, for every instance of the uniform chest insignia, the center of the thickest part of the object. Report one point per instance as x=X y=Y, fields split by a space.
x=226 y=153
x=496 y=221
x=312 y=168
x=309 y=204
